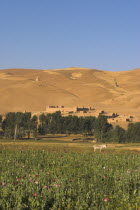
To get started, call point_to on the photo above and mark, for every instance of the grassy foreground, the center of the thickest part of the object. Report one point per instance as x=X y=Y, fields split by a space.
x=42 y=175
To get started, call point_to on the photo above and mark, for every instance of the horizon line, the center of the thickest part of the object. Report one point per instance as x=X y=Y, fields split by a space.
x=67 y=68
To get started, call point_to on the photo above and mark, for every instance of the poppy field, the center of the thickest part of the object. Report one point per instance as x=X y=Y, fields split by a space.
x=42 y=180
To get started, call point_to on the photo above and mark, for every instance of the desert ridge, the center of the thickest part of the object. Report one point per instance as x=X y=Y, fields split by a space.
x=33 y=90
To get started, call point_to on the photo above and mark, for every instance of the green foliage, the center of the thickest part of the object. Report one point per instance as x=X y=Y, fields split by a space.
x=17 y=125
x=42 y=180
x=55 y=123
x=0 y=118
x=34 y=123
x=133 y=132
x=10 y=124
x=102 y=128
x=118 y=135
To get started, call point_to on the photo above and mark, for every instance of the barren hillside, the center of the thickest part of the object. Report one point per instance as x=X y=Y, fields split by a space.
x=111 y=91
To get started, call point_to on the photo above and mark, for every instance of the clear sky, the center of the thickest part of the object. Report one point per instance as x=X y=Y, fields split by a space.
x=47 y=34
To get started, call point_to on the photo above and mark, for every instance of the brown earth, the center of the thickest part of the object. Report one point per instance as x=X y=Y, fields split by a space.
x=112 y=91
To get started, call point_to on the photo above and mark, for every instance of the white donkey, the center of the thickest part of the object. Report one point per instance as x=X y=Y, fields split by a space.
x=100 y=147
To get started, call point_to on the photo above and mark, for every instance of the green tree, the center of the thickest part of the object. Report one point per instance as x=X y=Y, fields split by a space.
x=133 y=132
x=27 y=124
x=42 y=124
x=19 y=128
x=10 y=125
x=89 y=124
x=34 y=121
x=102 y=128
x=81 y=127
x=118 y=134
x=0 y=118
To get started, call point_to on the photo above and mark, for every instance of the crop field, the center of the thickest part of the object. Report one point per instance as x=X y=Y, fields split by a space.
x=39 y=177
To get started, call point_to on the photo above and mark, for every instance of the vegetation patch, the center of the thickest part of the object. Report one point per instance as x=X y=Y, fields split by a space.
x=24 y=125
x=69 y=180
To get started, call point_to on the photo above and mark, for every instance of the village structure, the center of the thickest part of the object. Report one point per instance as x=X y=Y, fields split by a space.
x=86 y=111
x=89 y=111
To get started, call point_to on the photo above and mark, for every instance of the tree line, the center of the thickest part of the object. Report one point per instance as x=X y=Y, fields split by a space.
x=24 y=125
x=18 y=125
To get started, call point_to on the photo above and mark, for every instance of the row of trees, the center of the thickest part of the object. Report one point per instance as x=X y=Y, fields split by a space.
x=98 y=127
x=19 y=125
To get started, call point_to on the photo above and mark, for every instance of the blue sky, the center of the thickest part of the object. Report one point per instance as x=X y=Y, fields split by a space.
x=48 y=34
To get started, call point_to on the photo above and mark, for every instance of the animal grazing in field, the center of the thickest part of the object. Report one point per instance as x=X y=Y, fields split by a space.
x=100 y=147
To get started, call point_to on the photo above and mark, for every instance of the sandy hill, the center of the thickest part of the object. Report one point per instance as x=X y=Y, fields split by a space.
x=32 y=90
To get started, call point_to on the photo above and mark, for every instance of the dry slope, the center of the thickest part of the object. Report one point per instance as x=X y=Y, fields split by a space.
x=112 y=91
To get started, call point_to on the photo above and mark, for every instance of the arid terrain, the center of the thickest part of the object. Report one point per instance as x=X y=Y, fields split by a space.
x=33 y=90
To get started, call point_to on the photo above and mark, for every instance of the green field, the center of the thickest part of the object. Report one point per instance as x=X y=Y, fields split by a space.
x=54 y=175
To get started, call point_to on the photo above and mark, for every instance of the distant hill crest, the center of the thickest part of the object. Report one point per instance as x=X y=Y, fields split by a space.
x=20 y=89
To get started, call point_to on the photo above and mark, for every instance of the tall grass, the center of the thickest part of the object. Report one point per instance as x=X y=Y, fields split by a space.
x=61 y=180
